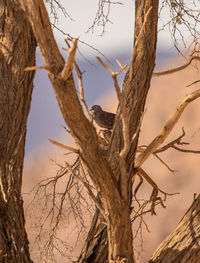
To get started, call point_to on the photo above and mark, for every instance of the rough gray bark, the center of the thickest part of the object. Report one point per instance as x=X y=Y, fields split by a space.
x=183 y=244
x=17 y=51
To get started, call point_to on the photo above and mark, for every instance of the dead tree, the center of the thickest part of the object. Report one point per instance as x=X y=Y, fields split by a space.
x=104 y=172
x=111 y=171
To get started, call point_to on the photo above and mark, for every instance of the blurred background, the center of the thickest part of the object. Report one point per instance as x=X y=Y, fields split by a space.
x=45 y=120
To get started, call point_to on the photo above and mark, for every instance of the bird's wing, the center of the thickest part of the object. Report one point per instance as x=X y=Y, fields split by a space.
x=108 y=118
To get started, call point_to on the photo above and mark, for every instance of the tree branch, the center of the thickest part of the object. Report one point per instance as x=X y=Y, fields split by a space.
x=185 y=150
x=71 y=149
x=157 y=74
x=81 y=92
x=95 y=200
x=81 y=129
x=69 y=63
x=159 y=139
x=38 y=17
x=125 y=126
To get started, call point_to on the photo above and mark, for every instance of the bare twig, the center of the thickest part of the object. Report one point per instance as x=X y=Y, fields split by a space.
x=81 y=92
x=159 y=139
x=157 y=74
x=69 y=148
x=35 y=68
x=120 y=65
x=166 y=165
x=154 y=199
x=171 y=144
x=95 y=200
x=125 y=118
x=102 y=15
x=185 y=150
x=69 y=63
x=193 y=83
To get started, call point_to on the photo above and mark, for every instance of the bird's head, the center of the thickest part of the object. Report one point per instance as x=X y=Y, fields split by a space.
x=95 y=108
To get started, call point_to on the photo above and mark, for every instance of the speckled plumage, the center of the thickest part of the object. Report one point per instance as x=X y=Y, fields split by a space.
x=103 y=118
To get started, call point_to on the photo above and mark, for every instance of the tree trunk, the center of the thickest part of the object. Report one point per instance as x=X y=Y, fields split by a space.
x=137 y=83
x=183 y=244
x=113 y=186
x=17 y=51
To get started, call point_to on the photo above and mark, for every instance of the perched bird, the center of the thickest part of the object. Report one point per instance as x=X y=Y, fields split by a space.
x=103 y=118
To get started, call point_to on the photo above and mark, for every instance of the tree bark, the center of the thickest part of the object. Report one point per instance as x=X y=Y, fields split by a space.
x=17 y=51
x=114 y=190
x=183 y=244
x=136 y=83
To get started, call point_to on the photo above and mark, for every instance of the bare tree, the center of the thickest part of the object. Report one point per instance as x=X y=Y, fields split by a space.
x=112 y=167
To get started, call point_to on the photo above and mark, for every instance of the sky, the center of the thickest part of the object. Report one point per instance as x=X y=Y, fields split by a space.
x=118 y=35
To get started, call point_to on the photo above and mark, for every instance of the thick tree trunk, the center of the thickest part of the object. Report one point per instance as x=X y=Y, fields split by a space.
x=120 y=238
x=183 y=244
x=137 y=83
x=17 y=51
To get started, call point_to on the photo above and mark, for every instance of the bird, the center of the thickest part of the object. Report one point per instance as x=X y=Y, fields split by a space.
x=103 y=118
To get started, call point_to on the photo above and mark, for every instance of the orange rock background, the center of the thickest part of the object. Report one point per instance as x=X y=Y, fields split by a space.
x=164 y=95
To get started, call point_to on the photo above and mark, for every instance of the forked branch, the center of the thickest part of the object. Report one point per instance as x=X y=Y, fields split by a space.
x=124 y=113
x=159 y=139
x=154 y=198
x=125 y=127
x=69 y=63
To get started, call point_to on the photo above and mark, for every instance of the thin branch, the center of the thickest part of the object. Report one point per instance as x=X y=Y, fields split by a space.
x=193 y=83
x=157 y=74
x=185 y=150
x=166 y=165
x=159 y=139
x=69 y=148
x=69 y=63
x=154 y=194
x=95 y=200
x=125 y=118
x=171 y=144
x=120 y=65
x=154 y=199
x=35 y=68
x=109 y=69
x=104 y=65
x=81 y=92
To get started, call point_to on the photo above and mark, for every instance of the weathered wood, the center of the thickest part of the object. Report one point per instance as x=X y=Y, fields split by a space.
x=116 y=209
x=183 y=244
x=136 y=85
x=17 y=51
